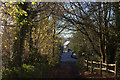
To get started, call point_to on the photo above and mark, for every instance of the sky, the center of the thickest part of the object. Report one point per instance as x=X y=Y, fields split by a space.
x=61 y=0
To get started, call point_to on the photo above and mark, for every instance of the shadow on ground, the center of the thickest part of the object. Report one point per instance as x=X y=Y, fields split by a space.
x=68 y=69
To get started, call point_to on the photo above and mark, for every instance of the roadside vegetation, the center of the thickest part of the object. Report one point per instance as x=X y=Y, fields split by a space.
x=31 y=44
x=98 y=38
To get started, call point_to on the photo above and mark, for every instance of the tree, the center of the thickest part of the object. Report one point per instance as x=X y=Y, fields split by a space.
x=93 y=18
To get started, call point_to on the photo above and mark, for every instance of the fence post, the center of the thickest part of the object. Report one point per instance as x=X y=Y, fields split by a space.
x=107 y=68
x=115 y=69
x=87 y=65
x=100 y=68
x=92 y=66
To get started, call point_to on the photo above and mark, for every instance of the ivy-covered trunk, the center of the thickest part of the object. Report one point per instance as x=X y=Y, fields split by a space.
x=22 y=29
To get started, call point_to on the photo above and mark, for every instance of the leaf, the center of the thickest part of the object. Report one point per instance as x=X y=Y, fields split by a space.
x=33 y=3
x=15 y=38
x=41 y=49
x=22 y=2
x=10 y=27
x=33 y=28
x=26 y=14
x=10 y=2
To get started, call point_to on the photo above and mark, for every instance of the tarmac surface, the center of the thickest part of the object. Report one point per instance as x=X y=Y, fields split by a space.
x=66 y=57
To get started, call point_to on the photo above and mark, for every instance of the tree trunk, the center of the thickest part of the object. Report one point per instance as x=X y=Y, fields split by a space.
x=54 y=37
x=101 y=47
x=105 y=31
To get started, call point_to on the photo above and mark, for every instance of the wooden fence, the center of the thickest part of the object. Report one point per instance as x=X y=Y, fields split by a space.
x=100 y=67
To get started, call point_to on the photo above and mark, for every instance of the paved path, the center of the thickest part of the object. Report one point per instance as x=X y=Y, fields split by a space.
x=66 y=57
x=67 y=68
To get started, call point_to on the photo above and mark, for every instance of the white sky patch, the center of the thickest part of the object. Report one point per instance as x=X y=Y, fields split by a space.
x=66 y=33
x=67 y=42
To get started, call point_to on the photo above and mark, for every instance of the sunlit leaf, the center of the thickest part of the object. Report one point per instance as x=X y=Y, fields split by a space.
x=33 y=3
x=15 y=38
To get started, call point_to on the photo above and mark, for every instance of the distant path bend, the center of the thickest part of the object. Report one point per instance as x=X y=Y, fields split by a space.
x=66 y=57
